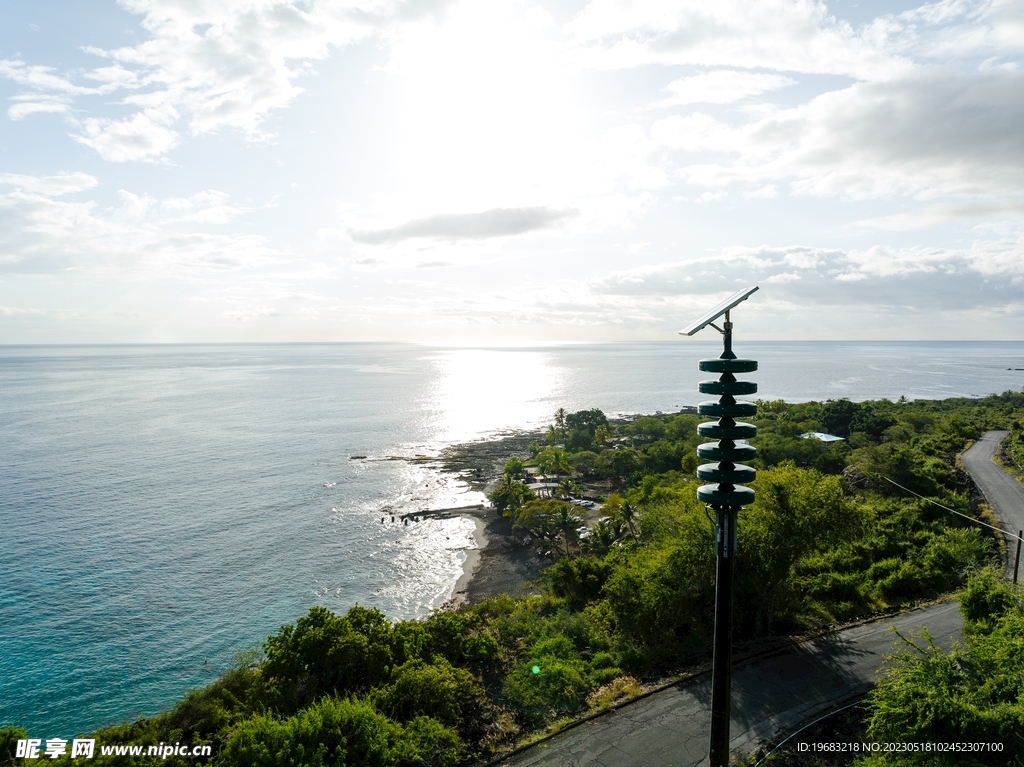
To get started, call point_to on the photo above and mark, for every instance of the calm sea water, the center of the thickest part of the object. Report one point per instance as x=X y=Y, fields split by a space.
x=165 y=507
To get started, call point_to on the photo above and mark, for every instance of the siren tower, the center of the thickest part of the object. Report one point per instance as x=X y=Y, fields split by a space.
x=726 y=495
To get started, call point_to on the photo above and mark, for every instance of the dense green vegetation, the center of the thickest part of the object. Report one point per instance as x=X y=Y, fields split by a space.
x=827 y=539
x=1012 y=452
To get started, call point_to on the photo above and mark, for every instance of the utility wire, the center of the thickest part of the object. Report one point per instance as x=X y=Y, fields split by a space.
x=826 y=716
x=934 y=503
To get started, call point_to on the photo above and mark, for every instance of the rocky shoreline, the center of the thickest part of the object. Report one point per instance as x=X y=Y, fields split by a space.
x=500 y=564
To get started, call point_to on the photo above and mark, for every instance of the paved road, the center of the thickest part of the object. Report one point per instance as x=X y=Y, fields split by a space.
x=1003 y=493
x=770 y=695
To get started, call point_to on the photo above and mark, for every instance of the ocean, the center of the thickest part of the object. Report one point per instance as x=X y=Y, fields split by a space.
x=164 y=508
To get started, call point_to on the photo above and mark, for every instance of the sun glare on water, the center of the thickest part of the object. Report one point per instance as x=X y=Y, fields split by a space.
x=482 y=391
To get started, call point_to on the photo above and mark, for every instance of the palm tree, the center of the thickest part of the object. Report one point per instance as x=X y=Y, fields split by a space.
x=567 y=521
x=603 y=535
x=509 y=495
x=514 y=468
x=542 y=530
x=568 y=488
x=628 y=514
x=560 y=463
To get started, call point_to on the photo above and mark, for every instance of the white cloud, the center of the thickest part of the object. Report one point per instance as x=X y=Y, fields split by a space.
x=934 y=134
x=44 y=79
x=989 y=273
x=766 y=192
x=944 y=214
x=43 y=235
x=214 y=64
x=699 y=132
x=143 y=136
x=207 y=207
x=498 y=222
x=722 y=86
x=40 y=105
x=487 y=107
x=781 y=35
x=795 y=35
x=953 y=29
x=51 y=186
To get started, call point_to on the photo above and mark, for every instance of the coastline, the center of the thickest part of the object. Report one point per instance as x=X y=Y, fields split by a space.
x=471 y=564
x=500 y=563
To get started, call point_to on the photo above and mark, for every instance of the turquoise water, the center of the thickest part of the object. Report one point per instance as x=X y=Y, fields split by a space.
x=166 y=507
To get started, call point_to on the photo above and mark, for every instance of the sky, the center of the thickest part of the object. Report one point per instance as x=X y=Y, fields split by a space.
x=499 y=171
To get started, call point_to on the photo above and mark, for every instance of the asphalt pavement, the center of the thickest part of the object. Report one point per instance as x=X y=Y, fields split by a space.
x=770 y=695
x=1004 y=493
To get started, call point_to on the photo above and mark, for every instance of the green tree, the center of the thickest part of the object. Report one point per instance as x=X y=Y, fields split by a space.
x=568 y=488
x=579 y=580
x=837 y=416
x=514 y=468
x=329 y=732
x=536 y=517
x=625 y=461
x=585 y=463
x=554 y=461
x=567 y=521
x=645 y=430
x=325 y=654
x=9 y=737
x=552 y=680
x=602 y=536
x=797 y=511
x=586 y=420
x=509 y=494
x=418 y=688
x=628 y=516
x=661 y=594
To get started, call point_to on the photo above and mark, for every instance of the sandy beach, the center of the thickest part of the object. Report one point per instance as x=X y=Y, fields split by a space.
x=500 y=564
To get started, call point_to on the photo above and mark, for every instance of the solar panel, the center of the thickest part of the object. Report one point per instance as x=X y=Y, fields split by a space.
x=718 y=311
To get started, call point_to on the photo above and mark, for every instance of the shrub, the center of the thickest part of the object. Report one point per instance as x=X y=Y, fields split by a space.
x=330 y=732
x=559 y=686
x=325 y=654
x=429 y=743
x=460 y=639
x=422 y=689
x=9 y=737
x=974 y=693
x=986 y=599
x=618 y=689
x=579 y=580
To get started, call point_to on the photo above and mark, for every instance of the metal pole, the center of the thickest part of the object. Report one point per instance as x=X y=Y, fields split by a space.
x=1016 y=562
x=721 y=674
